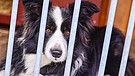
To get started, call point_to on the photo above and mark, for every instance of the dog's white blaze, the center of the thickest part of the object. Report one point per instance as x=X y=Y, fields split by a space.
x=57 y=40
x=57 y=16
x=30 y=62
x=78 y=63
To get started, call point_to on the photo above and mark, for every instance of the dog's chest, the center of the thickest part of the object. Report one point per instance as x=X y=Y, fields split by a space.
x=30 y=62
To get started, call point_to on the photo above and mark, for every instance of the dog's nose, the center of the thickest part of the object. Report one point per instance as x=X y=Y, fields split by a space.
x=56 y=53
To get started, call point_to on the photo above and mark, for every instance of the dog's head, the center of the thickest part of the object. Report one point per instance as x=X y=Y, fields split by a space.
x=58 y=27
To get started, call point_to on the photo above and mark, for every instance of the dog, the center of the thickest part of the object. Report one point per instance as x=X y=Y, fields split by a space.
x=88 y=43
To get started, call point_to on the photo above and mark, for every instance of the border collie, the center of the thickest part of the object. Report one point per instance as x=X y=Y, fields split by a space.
x=87 y=50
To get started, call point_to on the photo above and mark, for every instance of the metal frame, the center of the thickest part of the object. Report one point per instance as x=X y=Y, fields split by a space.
x=11 y=37
x=107 y=37
x=128 y=40
x=41 y=36
x=72 y=37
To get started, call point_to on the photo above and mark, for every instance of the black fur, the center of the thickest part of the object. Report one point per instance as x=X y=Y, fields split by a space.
x=89 y=41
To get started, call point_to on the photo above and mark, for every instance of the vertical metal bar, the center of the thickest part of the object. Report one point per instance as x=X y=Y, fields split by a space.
x=72 y=37
x=127 y=40
x=41 y=36
x=11 y=37
x=107 y=37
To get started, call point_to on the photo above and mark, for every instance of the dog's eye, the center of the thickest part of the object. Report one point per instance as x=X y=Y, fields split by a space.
x=48 y=31
x=67 y=33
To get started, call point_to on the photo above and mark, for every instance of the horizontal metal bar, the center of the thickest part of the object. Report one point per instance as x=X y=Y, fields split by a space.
x=127 y=40
x=107 y=37
x=41 y=36
x=11 y=37
x=72 y=37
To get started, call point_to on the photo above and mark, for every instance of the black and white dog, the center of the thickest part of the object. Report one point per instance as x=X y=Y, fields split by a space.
x=87 y=50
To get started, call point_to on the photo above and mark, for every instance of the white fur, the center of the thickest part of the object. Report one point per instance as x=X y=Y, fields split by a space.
x=57 y=40
x=23 y=74
x=78 y=63
x=57 y=16
x=22 y=38
x=2 y=73
x=105 y=75
x=30 y=63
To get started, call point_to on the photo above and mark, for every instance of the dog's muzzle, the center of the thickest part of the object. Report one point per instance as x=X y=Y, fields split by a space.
x=56 y=53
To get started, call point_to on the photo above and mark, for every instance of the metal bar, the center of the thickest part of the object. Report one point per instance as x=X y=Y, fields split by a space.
x=41 y=36
x=72 y=37
x=107 y=37
x=127 y=40
x=11 y=37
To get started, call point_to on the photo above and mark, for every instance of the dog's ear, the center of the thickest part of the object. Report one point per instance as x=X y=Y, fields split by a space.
x=35 y=6
x=87 y=8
